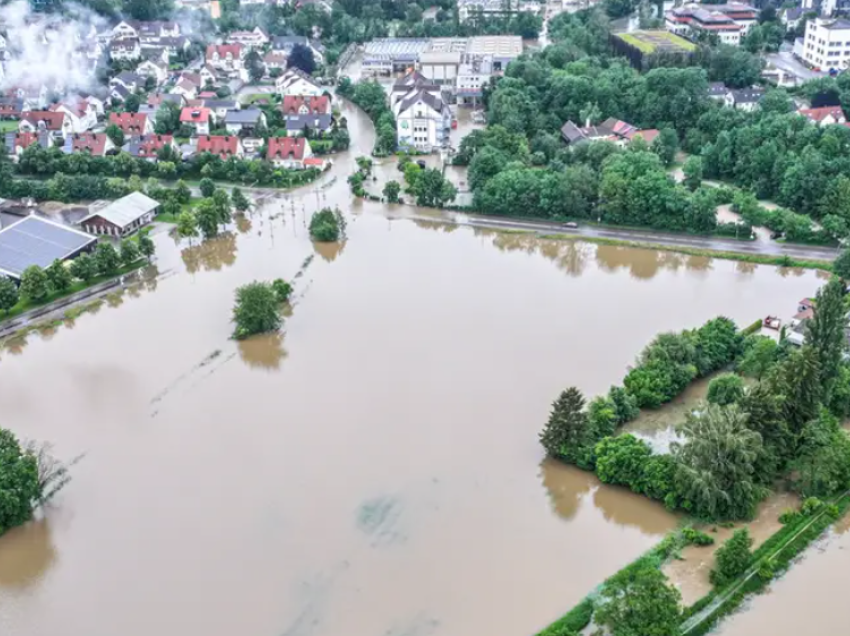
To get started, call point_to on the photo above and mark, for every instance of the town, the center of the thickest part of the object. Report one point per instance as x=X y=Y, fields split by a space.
x=273 y=273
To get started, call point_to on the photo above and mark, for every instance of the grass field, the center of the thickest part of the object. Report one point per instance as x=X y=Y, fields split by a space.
x=8 y=126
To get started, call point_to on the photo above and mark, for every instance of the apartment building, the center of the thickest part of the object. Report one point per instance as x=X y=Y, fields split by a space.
x=826 y=45
x=728 y=22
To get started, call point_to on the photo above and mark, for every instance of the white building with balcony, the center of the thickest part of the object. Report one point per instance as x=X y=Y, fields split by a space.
x=826 y=45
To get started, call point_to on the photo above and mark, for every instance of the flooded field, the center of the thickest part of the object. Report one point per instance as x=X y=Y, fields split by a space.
x=372 y=470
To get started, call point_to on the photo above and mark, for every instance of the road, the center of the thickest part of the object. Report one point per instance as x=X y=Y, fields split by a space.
x=786 y=61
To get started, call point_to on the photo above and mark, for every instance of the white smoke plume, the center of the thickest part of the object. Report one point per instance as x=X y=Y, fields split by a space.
x=49 y=49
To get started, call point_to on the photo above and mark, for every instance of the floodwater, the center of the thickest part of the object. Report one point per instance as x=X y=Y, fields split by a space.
x=374 y=468
x=809 y=599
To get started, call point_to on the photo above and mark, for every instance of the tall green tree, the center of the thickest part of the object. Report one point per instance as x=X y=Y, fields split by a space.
x=760 y=353
x=106 y=258
x=732 y=558
x=822 y=466
x=8 y=294
x=19 y=483
x=208 y=218
x=58 y=276
x=565 y=434
x=35 y=285
x=83 y=267
x=129 y=252
x=797 y=378
x=146 y=246
x=187 y=224
x=826 y=332
x=638 y=601
x=256 y=310
x=726 y=388
x=240 y=201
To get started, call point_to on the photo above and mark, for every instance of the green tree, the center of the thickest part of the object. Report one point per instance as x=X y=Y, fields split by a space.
x=822 y=467
x=391 y=191
x=726 y=388
x=716 y=463
x=208 y=217
x=115 y=134
x=240 y=201
x=760 y=353
x=146 y=246
x=327 y=226
x=565 y=434
x=19 y=483
x=132 y=103
x=182 y=192
x=282 y=290
x=221 y=201
x=412 y=171
x=765 y=416
x=732 y=558
x=692 y=171
x=58 y=276
x=826 y=332
x=106 y=259
x=666 y=145
x=433 y=190
x=256 y=310
x=187 y=224
x=207 y=187
x=621 y=460
x=130 y=252
x=625 y=404
x=638 y=601
x=797 y=378
x=35 y=285
x=301 y=57
x=8 y=294
x=84 y=268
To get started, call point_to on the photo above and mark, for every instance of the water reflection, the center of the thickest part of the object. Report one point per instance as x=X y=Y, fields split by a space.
x=566 y=486
x=212 y=254
x=26 y=553
x=264 y=352
x=329 y=251
x=243 y=223
x=745 y=268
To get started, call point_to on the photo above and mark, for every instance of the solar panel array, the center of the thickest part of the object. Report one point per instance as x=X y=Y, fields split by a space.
x=34 y=241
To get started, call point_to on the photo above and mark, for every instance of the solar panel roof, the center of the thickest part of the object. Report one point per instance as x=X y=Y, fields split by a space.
x=37 y=241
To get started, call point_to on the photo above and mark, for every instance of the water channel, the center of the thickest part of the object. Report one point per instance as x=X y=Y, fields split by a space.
x=374 y=469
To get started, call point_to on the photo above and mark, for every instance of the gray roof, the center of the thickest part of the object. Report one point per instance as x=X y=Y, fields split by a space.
x=716 y=89
x=434 y=102
x=837 y=25
x=571 y=133
x=126 y=209
x=298 y=122
x=286 y=42
x=37 y=241
x=246 y=116
x=215 y=104
x=748 y=95
x=794 y=13
x=121 y=90
x=128 y=77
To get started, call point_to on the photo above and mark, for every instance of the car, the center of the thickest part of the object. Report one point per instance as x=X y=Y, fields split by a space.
x=422 y=164
x=571 y=224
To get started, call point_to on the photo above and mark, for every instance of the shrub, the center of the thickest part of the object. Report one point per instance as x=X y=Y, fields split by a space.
x=789 y=516
x=695 y=537
x=732 y=558
x=621 y=460
x=282 y=290
x=327 y=226
x=256 y=310
x=811 y=506
x=725 y=389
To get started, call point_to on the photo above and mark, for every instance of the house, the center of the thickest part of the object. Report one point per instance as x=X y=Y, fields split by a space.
x=412 y=80
x=220 y=107
x=32 y=97
x=57 y=123
x=718 y=91
x=296 y=82
x=613 y=130
x=199 y=118
x=285 y=44
x=118 y=94
x=255 y=39
x=824 y=116
x=129 y=80
x=122 y=217
x=727 y=22
x=223 y=146
x=275 y=60
x=148 y=146
x=186 y=88
x=745 y=98
x=157 y=54
x=423 y=121
x=11 y=108
x=132 y=123
x=208 y=76
x=229 y=58
x=300 y=113
x=155 y=30
x=288 y=152
x=125 y=29
x=35 y=240
x=175 y=45
x=125 y=49
x=155 y=100
x=244 y=121
x=17 y=142
x=82 y=113
x=94 y=144
x=157 y=70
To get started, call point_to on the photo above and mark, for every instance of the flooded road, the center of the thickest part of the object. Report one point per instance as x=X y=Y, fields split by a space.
x=372 y=470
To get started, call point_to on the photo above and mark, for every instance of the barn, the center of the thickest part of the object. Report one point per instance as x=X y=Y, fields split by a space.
x=122 y=217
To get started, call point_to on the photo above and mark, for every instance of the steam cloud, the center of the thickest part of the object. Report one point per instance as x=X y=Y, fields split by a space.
x=48 y=49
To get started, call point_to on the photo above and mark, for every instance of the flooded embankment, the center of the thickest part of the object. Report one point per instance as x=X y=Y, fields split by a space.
x=374 y=469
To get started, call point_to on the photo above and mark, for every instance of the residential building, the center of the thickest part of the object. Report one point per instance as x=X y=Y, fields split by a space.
x=745 y=98
x=118 y=94
x=791 y=17
x=186 y=88
x=94 y=144
x=35 y=240
x=288 y=152
x=17 y=142
x=473 y=75
x=728 y=22
x=207 y=76
x=58 y=124
x=200 y=119
x=298 y=83
x=826 y=45
x=157 y=70
x=129 y=80
x=423 y=121
x=285 y=44
x=229 y=58
x=220 y=107
x=718 y=91
x=224 y=146
x=174 y=45
x=824 y=116
x=82 y=114
x=156 y=54
x=613 y=130
x=255 y=39
x=11 y=108
x=307 y=113
x=122 y=217
x=125 y=29
x=125 y=49
x=132 y=123
x=158 y=99
x=244 y=121
x=409 y=82
x=148 y=146
x=275 y=60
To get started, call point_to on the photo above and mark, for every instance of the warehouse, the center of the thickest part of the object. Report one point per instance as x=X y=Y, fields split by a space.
x=38 y=241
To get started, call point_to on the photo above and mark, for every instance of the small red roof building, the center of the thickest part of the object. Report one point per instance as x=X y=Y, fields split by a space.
x=129 y=123
x=194 y=115
x=150 y=145
x=235 y=51
x=298 y=105
x=225 y=146
x=286 y=148
x=92 y=143
x=818 y=115
x=52 y=120
x=23 y=140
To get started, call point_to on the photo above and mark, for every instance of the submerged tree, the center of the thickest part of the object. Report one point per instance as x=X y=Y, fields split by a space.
x=327 y=226
x=822 y=467
x=565 y=433
x=826 y=332
x=638 y=601
x=19 y=482
x=732 y=558
x=256 y=310
x=725 y=389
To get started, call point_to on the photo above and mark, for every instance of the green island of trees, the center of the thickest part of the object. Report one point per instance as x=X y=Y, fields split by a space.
x=327 y=226
x=257 y=307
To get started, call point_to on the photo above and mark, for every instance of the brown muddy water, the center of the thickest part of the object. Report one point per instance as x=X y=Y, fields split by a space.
x=372 y=470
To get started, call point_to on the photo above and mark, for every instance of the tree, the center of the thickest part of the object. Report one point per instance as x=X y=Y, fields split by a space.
x=187 y=224
x=132 y=103
x=726 y=388
x=106 y=259
x=301 y=57
x=221 y=201
x=84 y=268
x=625 y=404
x=282 y=290
x=208 y=217
x=692 y=171
x=148 y=9
x=327 y=226
x=797 y=378
x=34 y=284
x=666 y=145
x=255 y=66
x=433 y=190
x=8 y=294
x=240 y=201
x=115 y=134
x=765 y=416
x=58 y=276
x=391 y=191
x=760 y=353
x=146 y=246
x=256 y=310
x=130 y=252
x=637 y=601
x=167 y=119
x=565 y=433
x=822 y=467
x=716 y=463
x=825 y=332
x=19 y=483
x=621 y=460
x=182 y=192
x=207 y=187
x=732 y=558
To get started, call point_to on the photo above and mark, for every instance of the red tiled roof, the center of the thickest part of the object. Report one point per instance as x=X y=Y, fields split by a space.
x=24 y=140
x=93 y=143
x=286 y=147
x=316 y=105
x=223 y=49
x=648 y=135
x=52 y=121
x=149 y=145
x=9 y=110
x=817 y=115
x=222 y=145
x=129 y=122
x=314 y=161
x=195 y=115
x=208 y=95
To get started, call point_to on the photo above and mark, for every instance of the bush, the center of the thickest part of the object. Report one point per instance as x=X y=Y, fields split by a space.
x=725 y=389
x=621 y=460
x=327 y=226
x=789 y=516
x=572 y=622
x=732 y=558
x=695 y=537
x=256 y=310
x=282 y=290
x=810 y=506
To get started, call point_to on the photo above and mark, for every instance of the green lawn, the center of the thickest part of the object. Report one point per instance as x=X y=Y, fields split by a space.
x=8 y=126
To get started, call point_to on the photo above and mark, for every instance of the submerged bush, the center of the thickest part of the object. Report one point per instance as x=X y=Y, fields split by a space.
x=327 y=226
